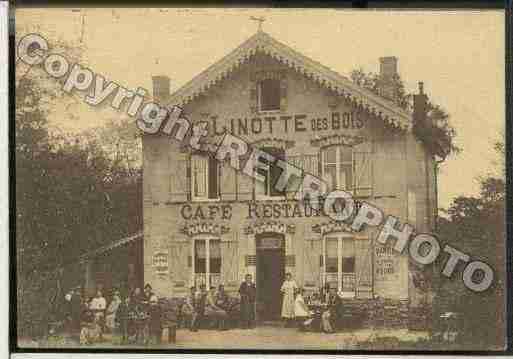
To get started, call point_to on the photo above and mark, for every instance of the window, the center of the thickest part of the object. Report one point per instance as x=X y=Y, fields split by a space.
x=339 y=263
x=337 y=167
x=207 y=262
x=269 y=94
x=204 y=177
x=348 y=168
x=267 y=188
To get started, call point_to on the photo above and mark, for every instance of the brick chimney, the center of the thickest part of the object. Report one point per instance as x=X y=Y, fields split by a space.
x=387 y=74
x=161 y=88
x=420 y=106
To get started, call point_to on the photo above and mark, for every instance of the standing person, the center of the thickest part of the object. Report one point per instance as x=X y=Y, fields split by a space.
x=247 y=293
x=122 y=317
x=76 y=311
x=188 y=308
x=110 y=317
x=288 y=289
x=98 y=306
x=213 y=311
x=155 y=325
x=67 y=311
x=199 y=309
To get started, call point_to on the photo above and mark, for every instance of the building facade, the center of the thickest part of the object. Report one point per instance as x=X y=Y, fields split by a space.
x=205 y=222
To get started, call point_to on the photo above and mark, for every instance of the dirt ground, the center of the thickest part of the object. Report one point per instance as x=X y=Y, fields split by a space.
x=262 y=337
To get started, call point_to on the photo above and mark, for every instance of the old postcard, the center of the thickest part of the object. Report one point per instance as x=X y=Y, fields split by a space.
x=260 y=179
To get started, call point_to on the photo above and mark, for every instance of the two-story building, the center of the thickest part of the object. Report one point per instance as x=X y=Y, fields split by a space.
x=204 y=222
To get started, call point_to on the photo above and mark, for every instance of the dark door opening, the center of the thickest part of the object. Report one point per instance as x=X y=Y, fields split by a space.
x=270 y=275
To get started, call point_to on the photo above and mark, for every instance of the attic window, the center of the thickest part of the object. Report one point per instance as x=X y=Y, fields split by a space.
x=269 y=95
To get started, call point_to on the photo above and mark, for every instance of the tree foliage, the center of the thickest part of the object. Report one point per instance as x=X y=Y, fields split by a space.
x=437 y=133
x=476 y=225
x=71 y=196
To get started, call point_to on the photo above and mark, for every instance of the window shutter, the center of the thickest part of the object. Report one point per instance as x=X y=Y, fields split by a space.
x=180 y=262
x=180 y=179
x=283 y=91
x=389 y=165
x=253 y=93
x=362 y=173
x=363 y=261
x=295 y=184
x=229 y=263
x=228 y=182
x=310 y=165
x=312 y=269
x=199 y=165
x=245 y=184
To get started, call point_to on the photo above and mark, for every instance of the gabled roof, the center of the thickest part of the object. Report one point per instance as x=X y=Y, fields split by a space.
x=263 y=42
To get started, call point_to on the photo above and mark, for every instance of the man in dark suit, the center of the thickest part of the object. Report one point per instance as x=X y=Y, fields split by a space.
x=247 y=292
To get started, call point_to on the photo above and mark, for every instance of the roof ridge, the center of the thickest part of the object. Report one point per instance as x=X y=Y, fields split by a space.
x=262 y=41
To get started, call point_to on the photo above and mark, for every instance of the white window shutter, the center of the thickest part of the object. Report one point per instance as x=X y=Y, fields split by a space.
x=180 y=180
x=229 y=263
x=228 y=182
x=245 y=187
x=199 y=167
x=362 y=173
x=294 y=184
x=363 y=264
x=311 y=255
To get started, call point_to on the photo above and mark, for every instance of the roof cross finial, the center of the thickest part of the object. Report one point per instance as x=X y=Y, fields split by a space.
x=260 y=20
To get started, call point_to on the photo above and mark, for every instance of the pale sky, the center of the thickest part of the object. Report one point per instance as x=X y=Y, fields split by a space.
x=458 y=54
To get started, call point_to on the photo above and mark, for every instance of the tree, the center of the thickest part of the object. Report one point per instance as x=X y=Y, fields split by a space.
x=476 y=225
x=71 y=197
x=437 y=133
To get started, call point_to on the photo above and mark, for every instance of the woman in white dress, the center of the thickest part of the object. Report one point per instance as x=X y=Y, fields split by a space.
x=287 y=309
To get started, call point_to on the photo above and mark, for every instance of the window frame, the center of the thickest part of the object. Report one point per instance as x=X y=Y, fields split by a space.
x=267 y=196
x=340 y=274
x=259 y=96
x=209 y=161
x=339 y=163
x=207 y=274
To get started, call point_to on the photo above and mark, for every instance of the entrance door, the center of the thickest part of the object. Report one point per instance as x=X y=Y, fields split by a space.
x=270 y=275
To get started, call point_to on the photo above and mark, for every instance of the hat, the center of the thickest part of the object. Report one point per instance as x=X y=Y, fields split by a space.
x=147 y=286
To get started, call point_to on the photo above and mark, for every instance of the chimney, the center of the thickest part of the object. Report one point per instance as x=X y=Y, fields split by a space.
x=388 y=75
x=420 y=106
x=161 y=88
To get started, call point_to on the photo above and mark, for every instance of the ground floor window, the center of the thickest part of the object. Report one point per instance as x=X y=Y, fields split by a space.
x=207 y=262
x=339 y=263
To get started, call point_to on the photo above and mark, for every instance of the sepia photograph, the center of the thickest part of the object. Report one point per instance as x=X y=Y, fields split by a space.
x=259 y=179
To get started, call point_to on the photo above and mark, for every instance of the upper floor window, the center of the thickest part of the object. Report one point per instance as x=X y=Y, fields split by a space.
x=204 y=177
x=267 y=188
x=269 y=95
x=338 y=167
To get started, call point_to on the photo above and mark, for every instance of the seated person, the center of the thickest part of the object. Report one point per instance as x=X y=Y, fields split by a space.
x=329 y=316
x=222 y=299
x=214 y=312
x=301 y=312
x=90 y=329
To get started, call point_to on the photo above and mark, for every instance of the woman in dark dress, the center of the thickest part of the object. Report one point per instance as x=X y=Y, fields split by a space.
x=247 y=293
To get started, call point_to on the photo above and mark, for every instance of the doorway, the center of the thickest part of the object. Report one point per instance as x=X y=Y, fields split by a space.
x=270 y=273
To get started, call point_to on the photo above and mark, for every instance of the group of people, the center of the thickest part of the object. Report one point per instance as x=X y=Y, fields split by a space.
x=218 y=309
x=322 y=311
x=136 y=317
